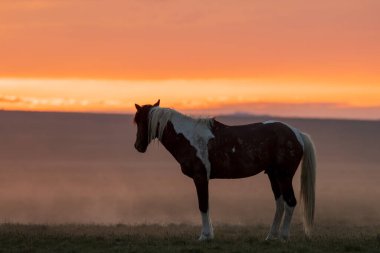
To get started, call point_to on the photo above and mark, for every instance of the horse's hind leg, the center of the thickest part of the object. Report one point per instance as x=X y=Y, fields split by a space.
x=274 y=230
x=290 y=203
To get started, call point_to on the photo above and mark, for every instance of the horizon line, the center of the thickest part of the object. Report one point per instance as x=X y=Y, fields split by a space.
x=233 y=114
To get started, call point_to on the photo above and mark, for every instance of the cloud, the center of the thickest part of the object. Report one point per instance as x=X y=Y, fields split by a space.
x=10 y=99
x=10 y=102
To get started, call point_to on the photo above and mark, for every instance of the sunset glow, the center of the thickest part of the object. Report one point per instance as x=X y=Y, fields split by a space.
x=193 y=96
x=306 y=59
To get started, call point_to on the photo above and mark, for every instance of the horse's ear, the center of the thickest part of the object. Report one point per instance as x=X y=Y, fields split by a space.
x=137 y=107
x=157 y=104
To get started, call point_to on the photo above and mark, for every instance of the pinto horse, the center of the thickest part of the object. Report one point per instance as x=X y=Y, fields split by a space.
x=207 y=149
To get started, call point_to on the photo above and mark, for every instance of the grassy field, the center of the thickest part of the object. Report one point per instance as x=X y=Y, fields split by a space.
x=181 y=238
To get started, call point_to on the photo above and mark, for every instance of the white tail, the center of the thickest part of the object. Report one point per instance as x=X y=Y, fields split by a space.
x=308 y=183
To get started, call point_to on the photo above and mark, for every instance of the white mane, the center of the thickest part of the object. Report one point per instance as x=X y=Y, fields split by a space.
x=196 y=130
x=159 y=117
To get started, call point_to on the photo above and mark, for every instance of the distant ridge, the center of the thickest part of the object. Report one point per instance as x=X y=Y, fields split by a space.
x=236 y=115
x=245 y=115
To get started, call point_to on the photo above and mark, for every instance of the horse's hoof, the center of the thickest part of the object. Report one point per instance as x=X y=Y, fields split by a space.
x=271 y=237
x=284 y=238
x=205 y=237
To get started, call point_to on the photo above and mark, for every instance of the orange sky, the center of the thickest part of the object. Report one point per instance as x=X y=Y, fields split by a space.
x=311 y=58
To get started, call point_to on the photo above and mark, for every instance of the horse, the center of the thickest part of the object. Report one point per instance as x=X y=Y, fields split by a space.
x=206 y=149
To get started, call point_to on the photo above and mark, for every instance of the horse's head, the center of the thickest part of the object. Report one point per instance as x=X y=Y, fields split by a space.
x=142 y=121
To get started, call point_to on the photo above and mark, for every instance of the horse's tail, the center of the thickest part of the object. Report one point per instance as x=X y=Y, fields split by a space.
x=308 y=183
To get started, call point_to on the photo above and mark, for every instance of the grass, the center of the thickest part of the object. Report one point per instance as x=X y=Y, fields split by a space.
x=181 y=238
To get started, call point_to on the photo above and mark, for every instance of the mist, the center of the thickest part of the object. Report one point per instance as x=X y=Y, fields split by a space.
x=82 y=168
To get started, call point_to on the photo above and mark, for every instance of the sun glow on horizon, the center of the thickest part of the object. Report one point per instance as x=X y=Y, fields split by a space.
x=199 y=96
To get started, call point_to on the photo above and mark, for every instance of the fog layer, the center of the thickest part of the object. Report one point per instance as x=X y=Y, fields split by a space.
x=82 y=168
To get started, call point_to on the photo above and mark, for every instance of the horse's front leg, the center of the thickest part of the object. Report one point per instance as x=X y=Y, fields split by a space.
x=201 y=184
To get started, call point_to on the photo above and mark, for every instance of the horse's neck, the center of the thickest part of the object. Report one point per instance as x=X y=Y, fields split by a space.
x=175 y=143
x=169 y=138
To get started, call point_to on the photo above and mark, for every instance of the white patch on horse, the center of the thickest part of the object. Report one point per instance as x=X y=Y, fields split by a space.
x=207 y=232
x=196 y=131
x=287 y=220
x=296 y=132
x=273 y=233
x=233 y=149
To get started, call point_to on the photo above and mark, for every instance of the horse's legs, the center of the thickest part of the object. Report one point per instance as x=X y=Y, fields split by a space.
x=273 y=233
x=290 y=203
x=201 y=185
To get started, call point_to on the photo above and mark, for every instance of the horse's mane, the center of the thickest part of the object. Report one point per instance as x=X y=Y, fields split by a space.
x=159 y=118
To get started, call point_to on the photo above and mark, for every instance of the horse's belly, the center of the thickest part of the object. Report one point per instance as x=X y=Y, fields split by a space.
x=235 y=165
x=236 y=172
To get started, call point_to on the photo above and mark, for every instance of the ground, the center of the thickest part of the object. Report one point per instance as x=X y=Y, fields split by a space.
x=182 y=238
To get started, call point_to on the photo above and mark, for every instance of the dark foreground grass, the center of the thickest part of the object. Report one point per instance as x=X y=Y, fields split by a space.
x=181 y=238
